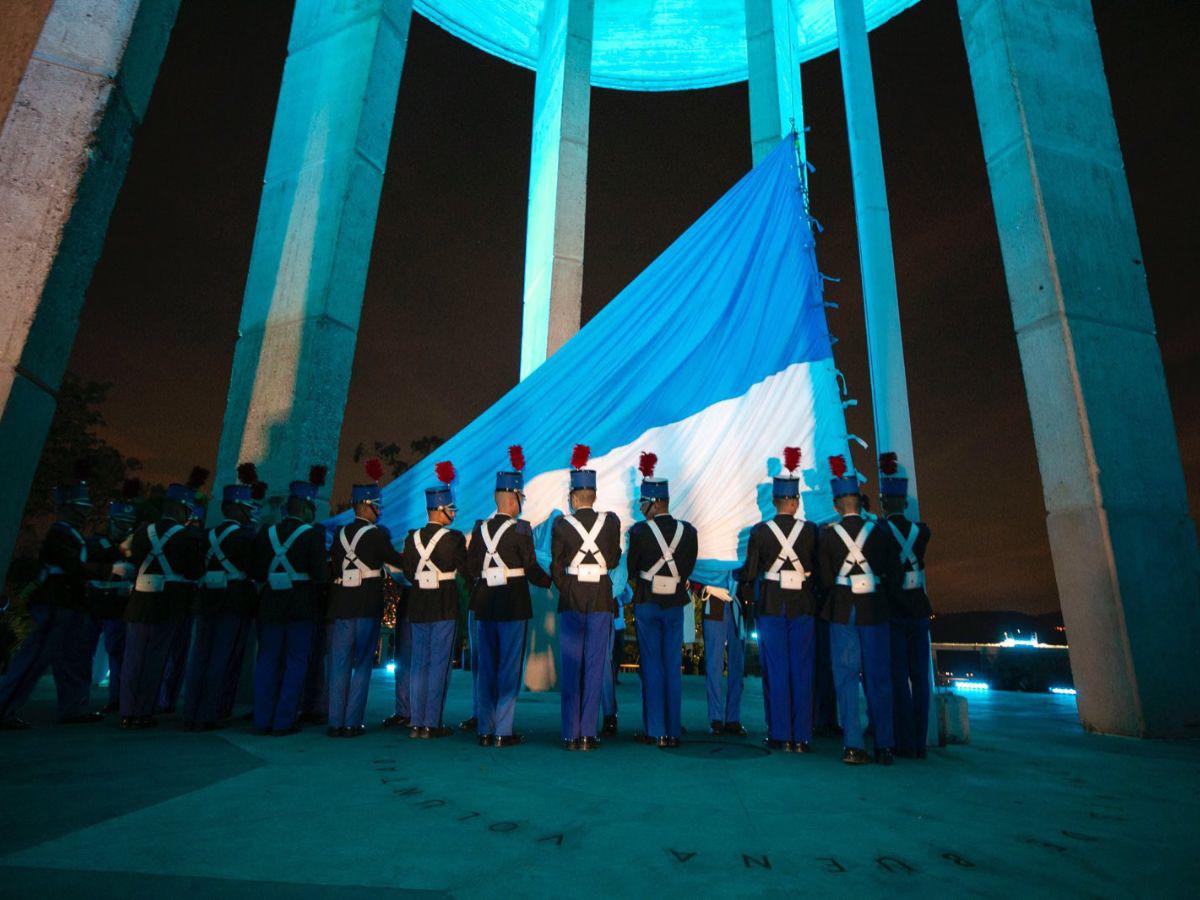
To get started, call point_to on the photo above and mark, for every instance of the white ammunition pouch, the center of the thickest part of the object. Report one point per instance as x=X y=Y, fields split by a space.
x=150 y=583
x=914 y=572
x=494 y=571
x=354 y=570
x=281 y=574
x=218 y=579
x=791 y=579
x=429 y=576
x=664 y=584
x=865 y=581
x=588 y=573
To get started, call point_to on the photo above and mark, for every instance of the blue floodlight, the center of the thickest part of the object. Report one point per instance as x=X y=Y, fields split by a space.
x=1069 y=691
x=971 y=685
x=391 y=668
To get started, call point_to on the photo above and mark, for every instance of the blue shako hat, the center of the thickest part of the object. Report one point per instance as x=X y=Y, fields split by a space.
x=369 y=493
x=186 y=493
x=785 y=487
x=842 y=484
x=123 y=510
x=582 y=479
x=513 y=480
x=441 y=495
x=652 y=488
x=307 y=490
x=75 y=494
x=237 y=493
x=891 y=482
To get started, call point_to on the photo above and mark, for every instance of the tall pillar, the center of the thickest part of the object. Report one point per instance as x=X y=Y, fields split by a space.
x=773 y=63
x=557 y=182
x=312 y=243
x=64 y=149
x=885 y=350
x=1125 y=552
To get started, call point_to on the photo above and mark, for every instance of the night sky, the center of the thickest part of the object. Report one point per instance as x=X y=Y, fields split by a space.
x=441 y=324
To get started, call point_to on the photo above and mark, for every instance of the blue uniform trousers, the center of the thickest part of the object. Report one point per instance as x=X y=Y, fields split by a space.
x=824 y=697
x=279 y=671
x=660 y=649
x=113 y=631
x=233 y=674
x=403 y=660
x=177 y=656
x=719 y=635
x=146 y=648
x=910 y=682
x=351 y=658
x=787 y=656
x=584 y=642
x=501 y=648
x=42 y=649
x=73 y=668
x=862 y=650
x=429 y=671
x=473 y=653
x=315 y=701
x=608 y=692
x=214 y=636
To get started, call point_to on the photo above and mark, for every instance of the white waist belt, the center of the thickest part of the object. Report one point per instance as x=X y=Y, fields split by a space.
x=646 y=576
x=508 y=573
x=368 y=573
x=575 y=570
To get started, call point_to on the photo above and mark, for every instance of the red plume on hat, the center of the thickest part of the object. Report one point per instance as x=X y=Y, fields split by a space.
x=516 y=456
x=316 y=476
x=247 y=473
x=131 y=488
x=888 y=463
x=259 y=491
x=791 y=458
x=197 y=478
x=580 y=456
x=444 y=471
x=374 y=468
x=646 y=464
x=837 y=465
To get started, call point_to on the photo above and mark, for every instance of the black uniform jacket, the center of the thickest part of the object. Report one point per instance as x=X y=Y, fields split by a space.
x=909 y=603
x=110 y=579
x=872 y=608
x=644 y=552
x=438 y=604
x=374 y=549
x=506 y=602
x=762 y=549
x=584 y=596
x=307 y=556
x=64 y=568
x=238 y=596
x=184 y=553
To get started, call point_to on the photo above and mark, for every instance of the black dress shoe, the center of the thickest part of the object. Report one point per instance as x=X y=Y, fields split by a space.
x=715 y=727
x=485 y=740
x=589 y=743
x=610 y=726
x=111 y=708
x=403 y=721
x=355 y=730
x=800 y=747
x=673 y=742
x=884 y=756
x=284 y=732
x=772 y=744
x=440 y=732
x=663 y=742
x=508 y=740
x=735 y=728
x=127 y=722
x=570 y=745
x=335 y=732
x=415 y=732
x=82 y=719
x=853 y=756
x=148 y=722
x=16 y=723
x=470 y=724
x=644 y=738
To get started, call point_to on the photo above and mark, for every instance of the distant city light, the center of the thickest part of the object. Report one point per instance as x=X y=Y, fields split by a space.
x=971 y=685
x=754 y=635
x=391 y=668
x=1010 y=641
x=1063 y=690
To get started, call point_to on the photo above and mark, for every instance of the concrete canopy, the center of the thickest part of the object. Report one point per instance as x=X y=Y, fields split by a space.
x=648 y=45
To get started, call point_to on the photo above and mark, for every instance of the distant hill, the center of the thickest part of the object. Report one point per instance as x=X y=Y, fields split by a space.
x=986 y=626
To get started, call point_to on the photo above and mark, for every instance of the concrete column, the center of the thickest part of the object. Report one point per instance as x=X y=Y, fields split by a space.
x=557 y=182
x=64 y=148
x=885 y=349
x=773 y=61
x=1125 y=552
x=312 y=243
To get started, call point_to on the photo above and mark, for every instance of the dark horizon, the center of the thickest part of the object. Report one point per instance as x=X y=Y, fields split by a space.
x=449 y=247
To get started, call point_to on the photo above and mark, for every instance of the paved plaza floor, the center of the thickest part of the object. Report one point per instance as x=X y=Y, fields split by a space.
x=1033 y=806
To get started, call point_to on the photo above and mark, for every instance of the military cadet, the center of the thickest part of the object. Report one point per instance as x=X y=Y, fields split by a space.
x=854 y=562
x=910 y=613
x=225 y=597
x=782 y=552
x=110 y=588
x=616 y=653
x=289 y=557
x=358 y=555
x=501 y=564
x=724 y=633
x=58 y=608
x=433 y=555
x=181 y=642
x=246 y=621
x=169 y=557
x=584 y=546
x=662 y=554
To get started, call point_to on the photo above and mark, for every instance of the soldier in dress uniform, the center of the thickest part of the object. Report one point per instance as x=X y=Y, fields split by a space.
x=782 y=552
x=662 y=554
x=360 y=551
x=433 y=556
x=181 y=642
x=724 y=628
x=225 y=597
x=584 y=546
x=855 y=564
x=58 y=607
x=289 y=558
x=501 y=564
x=169 y=558
x=111 y=585
x=247 y=619
x=910 y=611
